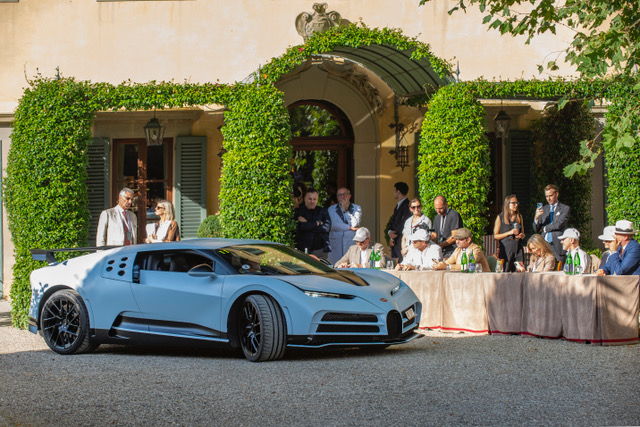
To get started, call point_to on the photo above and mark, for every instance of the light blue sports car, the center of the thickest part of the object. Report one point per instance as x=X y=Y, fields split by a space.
x=253 y=295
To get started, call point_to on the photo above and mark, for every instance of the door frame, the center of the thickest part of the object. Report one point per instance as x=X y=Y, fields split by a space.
x=142 y=171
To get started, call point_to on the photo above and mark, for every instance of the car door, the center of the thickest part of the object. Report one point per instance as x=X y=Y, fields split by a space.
x=174 y=302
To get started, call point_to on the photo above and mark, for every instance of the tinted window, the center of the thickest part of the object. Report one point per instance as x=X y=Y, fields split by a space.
x=270 y=259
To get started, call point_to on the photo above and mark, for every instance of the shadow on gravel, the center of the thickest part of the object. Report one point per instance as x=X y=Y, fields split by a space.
x=225 y=353
x=5 y=319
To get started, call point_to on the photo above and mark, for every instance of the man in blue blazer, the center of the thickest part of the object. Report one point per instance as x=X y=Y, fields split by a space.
x=625 y=260
x=551 y=220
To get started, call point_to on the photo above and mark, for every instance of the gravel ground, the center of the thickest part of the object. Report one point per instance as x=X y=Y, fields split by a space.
x=442 y=379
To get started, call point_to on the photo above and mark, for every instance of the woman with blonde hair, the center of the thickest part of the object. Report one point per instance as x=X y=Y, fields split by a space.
x=165 y=230
x=508 y=231
x=542 y=258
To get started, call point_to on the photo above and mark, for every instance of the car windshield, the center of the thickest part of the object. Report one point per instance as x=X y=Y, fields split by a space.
x=263 y=258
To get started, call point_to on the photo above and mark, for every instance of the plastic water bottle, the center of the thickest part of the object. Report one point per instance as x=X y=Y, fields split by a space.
x=472 y=262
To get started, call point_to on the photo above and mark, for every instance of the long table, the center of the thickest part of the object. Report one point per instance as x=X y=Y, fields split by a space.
x=587 y=308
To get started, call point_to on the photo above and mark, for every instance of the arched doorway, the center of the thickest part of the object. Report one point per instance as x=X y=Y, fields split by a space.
x=322 y=140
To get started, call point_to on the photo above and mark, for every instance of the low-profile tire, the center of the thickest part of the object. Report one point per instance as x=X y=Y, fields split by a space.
x=64 y=323
x=261 y=329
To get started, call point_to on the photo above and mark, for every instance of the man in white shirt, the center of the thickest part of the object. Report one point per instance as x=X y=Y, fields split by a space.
x=345 y=221
x=571 y=243
x=423 y=255
x=118 y=226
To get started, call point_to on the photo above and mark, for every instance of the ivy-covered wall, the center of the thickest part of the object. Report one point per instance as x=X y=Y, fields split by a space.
x=454 y=156
x=556 y=138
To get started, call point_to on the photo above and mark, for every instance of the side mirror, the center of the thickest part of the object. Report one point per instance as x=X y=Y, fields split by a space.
x=202 y=270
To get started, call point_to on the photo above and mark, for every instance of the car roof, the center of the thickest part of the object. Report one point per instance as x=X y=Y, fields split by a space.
x=202 y=243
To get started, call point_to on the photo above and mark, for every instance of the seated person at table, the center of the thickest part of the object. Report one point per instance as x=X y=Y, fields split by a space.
x=570 y=240
x=358 y=255
x=625 y=261
x=464 y=244
x=423 y=254
x=542 y=257
x=607 y=238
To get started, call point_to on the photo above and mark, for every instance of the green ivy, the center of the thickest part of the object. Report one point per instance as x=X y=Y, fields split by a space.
x=454 y=156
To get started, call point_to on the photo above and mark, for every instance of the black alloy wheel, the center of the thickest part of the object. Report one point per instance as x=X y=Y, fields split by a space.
x=64 y=323
x=261 y=329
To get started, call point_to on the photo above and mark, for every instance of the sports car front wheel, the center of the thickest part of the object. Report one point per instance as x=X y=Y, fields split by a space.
x=65 y=324
x=261 y=329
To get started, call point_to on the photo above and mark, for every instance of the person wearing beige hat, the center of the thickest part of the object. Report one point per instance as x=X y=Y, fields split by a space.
x=625 y=261
x=464 y=245
x=358 y=255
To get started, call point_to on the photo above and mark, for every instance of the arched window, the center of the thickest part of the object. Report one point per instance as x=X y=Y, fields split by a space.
x=322 y=140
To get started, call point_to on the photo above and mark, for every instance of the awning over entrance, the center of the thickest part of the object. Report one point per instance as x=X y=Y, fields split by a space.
x=406 y=76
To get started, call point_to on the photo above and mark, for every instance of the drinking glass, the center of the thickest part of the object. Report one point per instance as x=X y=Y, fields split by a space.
x=389 y=265
x=478 y=268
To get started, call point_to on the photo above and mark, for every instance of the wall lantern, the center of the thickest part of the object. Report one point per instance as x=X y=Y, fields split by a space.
x=401 y=152
x=501 y=121
x=154 y=131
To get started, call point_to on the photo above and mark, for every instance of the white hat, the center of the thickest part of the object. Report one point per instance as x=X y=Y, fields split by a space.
x=420 y=234
x=570 y=233
x=607 y=234
x=362 y=234
x=625 y=227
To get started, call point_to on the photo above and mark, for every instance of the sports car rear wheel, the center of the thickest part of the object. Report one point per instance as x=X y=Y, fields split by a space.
x=261 y=329
x=65 y=323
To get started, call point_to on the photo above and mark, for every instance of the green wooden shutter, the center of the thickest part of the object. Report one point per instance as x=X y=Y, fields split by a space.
x=97 y=182
x=520 y=149
x=191 y=184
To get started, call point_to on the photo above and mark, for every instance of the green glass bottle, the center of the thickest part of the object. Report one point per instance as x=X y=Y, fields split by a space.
x=568 y=264
x=576 y=264
x=472 y=262
x=463 y=261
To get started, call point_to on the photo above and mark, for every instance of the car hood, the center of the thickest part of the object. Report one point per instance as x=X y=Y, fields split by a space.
x=343 y=281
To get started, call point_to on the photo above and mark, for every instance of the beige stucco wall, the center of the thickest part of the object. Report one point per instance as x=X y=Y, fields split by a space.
x=207 y=40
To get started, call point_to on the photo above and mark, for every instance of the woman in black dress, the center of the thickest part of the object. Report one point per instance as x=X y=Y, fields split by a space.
x=509 y=232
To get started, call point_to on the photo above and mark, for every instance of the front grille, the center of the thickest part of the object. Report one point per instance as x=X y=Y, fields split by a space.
x=408 y=322
x=333 y=328
x=349 y=317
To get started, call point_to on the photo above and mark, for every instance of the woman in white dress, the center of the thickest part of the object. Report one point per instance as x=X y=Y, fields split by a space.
x=416 y=222
x=166 y=230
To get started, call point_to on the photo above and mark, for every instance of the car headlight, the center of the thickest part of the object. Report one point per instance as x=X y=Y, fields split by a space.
x=317 y=294
x=396 y=288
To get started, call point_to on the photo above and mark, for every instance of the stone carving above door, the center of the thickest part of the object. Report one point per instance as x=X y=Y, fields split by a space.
x=318 y=21
x=350 y=72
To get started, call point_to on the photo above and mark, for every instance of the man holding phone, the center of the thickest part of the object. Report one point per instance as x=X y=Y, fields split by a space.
x=551 y=220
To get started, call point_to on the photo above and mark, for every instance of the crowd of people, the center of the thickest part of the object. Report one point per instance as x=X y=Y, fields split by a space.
x=419 y=243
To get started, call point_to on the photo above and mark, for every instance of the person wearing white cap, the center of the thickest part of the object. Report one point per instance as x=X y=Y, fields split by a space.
x=358 y=255
x=571 y=243
x=625 y=261
x=423 y=255
x=607 y=238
